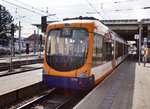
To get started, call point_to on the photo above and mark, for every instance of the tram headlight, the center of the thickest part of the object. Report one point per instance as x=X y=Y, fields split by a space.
x=83 y=74
x=44 y=71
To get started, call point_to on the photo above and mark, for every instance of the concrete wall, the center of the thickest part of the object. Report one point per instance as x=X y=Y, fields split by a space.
x=17 y=95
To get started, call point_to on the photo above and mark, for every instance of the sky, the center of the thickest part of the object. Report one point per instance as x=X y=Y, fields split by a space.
x=29 y=12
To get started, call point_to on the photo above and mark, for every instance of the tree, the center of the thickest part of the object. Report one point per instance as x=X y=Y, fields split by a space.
x=5 y=21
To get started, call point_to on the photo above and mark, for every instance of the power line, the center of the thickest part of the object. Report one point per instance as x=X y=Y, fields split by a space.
x=95 y=4
x=102 y=8
x=118 y=2
x=25 y=8
x=22 y=7
x=46 y=12
x=30 y=6
x=108 y=13
x=95 y=9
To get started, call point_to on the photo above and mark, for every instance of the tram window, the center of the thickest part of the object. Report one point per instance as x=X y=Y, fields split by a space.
x=107 y=50
x=94 y=62
x=119 y=49
x=51 y=46
x=97 y=50
x=94 y=46
x=67 y=48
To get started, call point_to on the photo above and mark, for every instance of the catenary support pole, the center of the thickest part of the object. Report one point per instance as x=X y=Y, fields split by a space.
x=140 y=25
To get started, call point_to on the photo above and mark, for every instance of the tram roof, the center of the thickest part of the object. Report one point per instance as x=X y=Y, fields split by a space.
x=72 y=21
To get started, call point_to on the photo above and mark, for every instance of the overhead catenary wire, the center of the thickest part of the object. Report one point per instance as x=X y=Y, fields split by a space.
x=25 y=8
x=82 y=5
x=102 y=8
x=22 y=7
x=29 y=6
x=116 y=11
x=28 y=20
x=119 y=2
x=46 y=12
x=115 y=4
x=95 y=9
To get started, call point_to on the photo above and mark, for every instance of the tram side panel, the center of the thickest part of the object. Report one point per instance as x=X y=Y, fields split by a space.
x=111 y=52
x=102 y=57
x=118 y=53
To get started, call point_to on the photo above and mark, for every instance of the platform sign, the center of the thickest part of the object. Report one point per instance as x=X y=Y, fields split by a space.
x=146 y=51
x=145 y=39
x=136 y=36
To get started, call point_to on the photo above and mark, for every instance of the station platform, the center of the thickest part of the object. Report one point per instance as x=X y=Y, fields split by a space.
x=128 y=87
x=23 y=68
x=17 y=81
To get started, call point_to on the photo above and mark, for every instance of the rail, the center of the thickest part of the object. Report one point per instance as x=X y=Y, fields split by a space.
x=58 y=98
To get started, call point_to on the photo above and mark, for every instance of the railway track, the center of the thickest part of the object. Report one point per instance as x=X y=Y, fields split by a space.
x=57 y=98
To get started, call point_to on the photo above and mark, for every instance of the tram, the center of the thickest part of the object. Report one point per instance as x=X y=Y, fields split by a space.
x=80 y=53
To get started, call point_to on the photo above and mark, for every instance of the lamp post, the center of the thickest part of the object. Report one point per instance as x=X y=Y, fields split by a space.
x=20 y=35
x=20 y=39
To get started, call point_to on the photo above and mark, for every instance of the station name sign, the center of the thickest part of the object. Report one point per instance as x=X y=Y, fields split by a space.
x=136 y=36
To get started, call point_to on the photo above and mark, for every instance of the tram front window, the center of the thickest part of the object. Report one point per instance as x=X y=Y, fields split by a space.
x=67 y=48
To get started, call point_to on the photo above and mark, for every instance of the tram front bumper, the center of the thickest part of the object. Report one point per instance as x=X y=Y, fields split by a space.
x=68 y=82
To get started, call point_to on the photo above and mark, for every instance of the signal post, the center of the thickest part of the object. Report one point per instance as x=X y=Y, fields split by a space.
x=145 y=30
x=27 y=52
